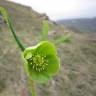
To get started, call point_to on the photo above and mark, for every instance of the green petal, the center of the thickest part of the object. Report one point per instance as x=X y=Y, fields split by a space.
x=53 y=64
x=41 y=77
x=46 y=48
x=28 y=52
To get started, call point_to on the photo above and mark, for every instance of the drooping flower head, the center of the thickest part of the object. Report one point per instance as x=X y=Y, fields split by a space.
x=41 y=61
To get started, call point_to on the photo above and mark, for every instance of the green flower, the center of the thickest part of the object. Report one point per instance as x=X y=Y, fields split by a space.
x=41 y=61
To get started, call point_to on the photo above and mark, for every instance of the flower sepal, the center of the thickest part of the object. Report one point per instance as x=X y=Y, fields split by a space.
x=41 y=61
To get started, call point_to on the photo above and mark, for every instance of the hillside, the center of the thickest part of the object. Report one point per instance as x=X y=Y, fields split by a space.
x=81 y=25
x=77 y=76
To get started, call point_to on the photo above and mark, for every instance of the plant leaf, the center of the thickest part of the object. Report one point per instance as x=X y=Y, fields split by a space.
x=45 y=29
x=63 y=39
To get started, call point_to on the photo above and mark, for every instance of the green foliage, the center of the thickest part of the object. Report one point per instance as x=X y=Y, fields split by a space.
x=78 y=59
x=45 y=30
x=63 y=39
x=41 y=61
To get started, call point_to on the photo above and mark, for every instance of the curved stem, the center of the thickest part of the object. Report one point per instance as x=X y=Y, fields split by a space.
x=14 y=34
x=8 y=20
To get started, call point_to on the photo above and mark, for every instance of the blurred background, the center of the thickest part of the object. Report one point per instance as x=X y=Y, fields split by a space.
x=77 y=76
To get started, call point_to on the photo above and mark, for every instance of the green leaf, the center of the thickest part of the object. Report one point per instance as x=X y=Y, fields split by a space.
x=53 y=64
x=45 y=30
x=63 y=39
x=46 y=48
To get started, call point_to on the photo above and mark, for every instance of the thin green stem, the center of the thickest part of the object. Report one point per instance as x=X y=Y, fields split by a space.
x=32 y=87
x=8 y=20
x=10 y=25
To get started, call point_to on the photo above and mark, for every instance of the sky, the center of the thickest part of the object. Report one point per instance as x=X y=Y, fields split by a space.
x=62 y=9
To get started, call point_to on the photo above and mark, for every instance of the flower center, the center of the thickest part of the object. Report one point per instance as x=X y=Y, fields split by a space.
x=38 y=62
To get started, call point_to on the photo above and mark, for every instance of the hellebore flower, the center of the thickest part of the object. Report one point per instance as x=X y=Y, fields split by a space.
x=41 y=61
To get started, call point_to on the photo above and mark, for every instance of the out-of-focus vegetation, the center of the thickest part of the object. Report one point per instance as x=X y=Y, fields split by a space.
x=77 y=76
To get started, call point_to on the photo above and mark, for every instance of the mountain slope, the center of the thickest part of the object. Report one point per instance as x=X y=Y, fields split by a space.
x=77 y=76
x=81 y=25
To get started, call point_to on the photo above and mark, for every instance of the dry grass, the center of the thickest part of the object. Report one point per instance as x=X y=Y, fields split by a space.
x=77 y=75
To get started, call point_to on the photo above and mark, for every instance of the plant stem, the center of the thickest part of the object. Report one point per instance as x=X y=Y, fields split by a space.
x=11 y=28
x=32 y=87
x=8 y=20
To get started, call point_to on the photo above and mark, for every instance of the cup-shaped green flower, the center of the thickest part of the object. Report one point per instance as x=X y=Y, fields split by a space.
x=41 y=61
